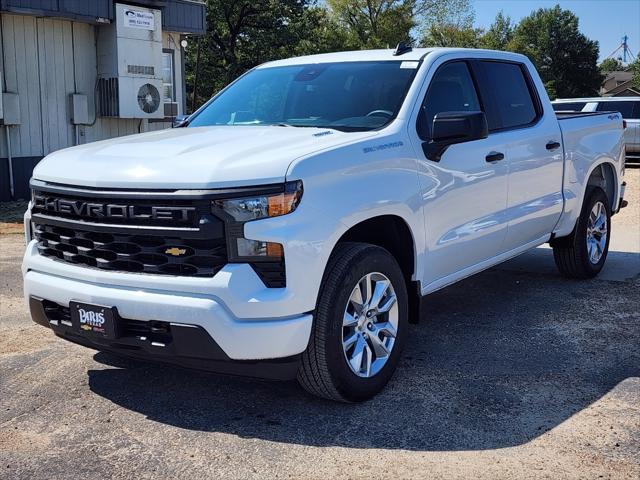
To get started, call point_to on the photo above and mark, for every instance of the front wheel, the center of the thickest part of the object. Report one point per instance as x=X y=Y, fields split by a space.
x=360 y=325
x=583 y=253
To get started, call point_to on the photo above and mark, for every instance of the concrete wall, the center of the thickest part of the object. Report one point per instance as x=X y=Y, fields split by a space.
x=44 y=60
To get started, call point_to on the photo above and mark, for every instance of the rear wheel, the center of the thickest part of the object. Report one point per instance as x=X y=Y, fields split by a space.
x=359 y=326
x=583 y=253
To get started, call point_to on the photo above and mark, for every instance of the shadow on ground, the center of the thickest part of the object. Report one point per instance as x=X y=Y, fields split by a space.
x=500 y=358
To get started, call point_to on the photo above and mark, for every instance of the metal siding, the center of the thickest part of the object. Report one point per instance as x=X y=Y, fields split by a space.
x=56 y=80
x=44 y=60
x=84 y=40
x=20 y=52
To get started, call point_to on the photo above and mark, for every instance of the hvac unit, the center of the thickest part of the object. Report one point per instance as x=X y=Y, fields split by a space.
x=130 y=64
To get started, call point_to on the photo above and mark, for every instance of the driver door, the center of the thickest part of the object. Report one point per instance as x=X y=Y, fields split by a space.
x=464 y=193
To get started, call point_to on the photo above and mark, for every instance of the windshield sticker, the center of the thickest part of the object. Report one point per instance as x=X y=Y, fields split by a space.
x=384 y=146
x=411 y=65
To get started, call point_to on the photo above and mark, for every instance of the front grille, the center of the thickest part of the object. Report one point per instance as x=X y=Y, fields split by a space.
x=132 y=252
x=157 y=232
x=130 y=232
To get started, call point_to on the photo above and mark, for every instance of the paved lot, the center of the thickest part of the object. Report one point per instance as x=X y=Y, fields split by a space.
x=515 y=373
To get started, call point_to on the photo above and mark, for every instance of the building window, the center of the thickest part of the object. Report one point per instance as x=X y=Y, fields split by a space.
x=168 y=77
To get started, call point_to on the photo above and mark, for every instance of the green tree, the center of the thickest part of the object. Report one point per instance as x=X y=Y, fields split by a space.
x=450 y=24
x=499 y=34
x=384 y=23
x=240 y=35
x=611 y=65
x=374 y=23
x=452 y=36
x=635 y=69
x=318 y=31
x=564 y=57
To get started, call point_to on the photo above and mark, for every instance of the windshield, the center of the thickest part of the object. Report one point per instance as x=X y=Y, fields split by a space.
x=352 y=96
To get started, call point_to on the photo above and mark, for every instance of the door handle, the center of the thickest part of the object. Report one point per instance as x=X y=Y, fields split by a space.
x=494 y=157
x=553 y=145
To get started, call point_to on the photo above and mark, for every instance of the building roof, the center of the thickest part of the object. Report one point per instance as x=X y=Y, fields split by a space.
x=625 y=88
x=619 y=76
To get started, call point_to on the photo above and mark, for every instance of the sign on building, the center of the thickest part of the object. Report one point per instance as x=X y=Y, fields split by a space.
x=139 y=19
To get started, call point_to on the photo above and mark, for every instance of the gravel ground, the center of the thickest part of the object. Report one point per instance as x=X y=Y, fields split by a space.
x=514 y=373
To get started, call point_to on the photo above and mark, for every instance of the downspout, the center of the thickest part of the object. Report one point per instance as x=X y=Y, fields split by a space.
x=10 y=160
x=12 y=192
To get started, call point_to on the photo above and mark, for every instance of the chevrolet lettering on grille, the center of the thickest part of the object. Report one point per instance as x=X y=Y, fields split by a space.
x=111 y=210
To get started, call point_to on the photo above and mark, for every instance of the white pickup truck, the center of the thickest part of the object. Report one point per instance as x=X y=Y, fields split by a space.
x=296 y=222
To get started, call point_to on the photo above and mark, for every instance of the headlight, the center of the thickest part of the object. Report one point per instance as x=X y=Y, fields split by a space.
x=264 y=205
x=273 y=201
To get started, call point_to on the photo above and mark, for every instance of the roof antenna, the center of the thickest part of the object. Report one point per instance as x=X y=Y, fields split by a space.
x=401 y=49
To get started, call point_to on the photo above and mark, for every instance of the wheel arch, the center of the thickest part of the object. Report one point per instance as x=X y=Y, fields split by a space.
x=604 y=176
x=393 y=233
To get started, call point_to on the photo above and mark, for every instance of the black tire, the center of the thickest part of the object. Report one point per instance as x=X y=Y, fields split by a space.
x=570 y=253
x=324 y=370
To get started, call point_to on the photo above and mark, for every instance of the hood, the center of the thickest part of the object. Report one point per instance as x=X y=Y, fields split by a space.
x=183 y=158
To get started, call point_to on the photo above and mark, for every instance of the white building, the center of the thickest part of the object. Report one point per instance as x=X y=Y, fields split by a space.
x=76 y=71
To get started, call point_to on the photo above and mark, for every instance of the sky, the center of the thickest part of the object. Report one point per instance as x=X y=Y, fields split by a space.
x=606 y=21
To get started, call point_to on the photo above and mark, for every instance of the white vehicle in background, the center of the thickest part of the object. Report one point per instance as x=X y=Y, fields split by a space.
x=295 y=224
x=629 y=108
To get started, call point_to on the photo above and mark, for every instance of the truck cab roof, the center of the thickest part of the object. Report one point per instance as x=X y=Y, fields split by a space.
x=381 y=55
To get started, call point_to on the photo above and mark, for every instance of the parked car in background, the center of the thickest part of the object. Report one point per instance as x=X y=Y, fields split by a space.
x=629 y=107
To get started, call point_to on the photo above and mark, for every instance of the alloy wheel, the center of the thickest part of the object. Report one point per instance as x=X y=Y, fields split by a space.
x=370 y=325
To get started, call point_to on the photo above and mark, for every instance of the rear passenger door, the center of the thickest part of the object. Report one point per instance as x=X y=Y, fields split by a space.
x=530 y=132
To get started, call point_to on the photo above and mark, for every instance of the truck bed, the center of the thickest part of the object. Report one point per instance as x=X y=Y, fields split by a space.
x=586 y=136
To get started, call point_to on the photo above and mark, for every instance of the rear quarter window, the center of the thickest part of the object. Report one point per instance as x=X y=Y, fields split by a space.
x=511 y=92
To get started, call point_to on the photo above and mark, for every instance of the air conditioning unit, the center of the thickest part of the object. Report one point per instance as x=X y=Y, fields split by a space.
x=130 y=64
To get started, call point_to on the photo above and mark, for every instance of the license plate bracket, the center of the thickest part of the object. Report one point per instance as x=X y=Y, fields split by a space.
x=94 y=320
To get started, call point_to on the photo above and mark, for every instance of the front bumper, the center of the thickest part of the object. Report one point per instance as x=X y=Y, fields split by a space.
x=167 y=342
x=240 y=339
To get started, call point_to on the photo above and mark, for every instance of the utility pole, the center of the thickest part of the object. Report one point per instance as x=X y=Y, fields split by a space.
x=626 y=51
x=195 y=80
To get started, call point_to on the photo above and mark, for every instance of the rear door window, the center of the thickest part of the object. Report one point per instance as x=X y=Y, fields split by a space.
x=625 y=108
x=513 y=97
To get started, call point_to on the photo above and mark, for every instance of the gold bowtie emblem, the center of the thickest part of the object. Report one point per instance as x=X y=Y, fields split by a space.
x=175 y=251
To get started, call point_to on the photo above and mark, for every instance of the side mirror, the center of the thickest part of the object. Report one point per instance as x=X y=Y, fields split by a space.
x=450 y=128
x=180 y=121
